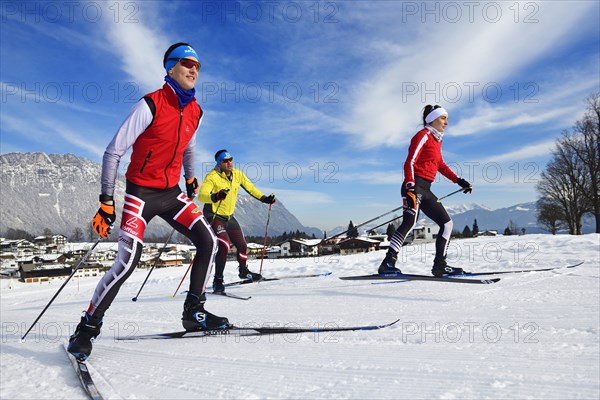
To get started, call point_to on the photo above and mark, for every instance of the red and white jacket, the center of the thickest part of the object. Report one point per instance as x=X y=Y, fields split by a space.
x=425 y=158
x=163 y=139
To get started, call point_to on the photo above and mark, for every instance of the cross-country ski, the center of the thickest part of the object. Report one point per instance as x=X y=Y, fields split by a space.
x=276 y=278
x=84 y=376
x=414 y=277
x=522 y=271
x=231 y=296
x=256 y=331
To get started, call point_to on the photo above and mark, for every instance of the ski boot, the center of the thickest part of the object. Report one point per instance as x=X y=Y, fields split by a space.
x=388 y=265
x=218 y=286
x=245 y=273
x=80 y=343
x=196 y=318
x=441 y=268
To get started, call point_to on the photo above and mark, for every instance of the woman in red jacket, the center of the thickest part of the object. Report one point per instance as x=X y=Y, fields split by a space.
x=424 y=161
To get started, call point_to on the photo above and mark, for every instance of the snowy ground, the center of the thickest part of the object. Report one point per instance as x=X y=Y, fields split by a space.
x=530 y=335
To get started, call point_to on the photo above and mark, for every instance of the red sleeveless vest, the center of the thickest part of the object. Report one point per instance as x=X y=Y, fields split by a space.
x=157 y=154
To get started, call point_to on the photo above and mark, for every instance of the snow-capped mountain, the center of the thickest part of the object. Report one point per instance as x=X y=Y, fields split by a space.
x=456 y=209
x=59 y=192
x=523 y=215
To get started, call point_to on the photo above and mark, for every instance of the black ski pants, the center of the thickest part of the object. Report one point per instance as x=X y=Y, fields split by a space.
x=228 y=231
x=140 y=206
x=429 y=204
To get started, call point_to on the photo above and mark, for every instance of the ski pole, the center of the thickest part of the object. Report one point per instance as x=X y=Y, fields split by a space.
x=182 y=279
x=262 y=257
x=364 y=223
x=387 y=222
x=154 y=265
x=453 y=193
x=190 y=266
x=217 y=210
x=79 y=264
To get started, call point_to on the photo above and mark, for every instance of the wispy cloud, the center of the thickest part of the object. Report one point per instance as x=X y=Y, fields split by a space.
x=75 y=138
x=139 y=44
x=13 y=92
x=446 y=56
x=529 y=152
x=560 y=104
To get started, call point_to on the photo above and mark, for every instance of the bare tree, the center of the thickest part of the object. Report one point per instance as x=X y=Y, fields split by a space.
x=77 y=235
x=549 y=215
x=563 y=180
x=585 y=143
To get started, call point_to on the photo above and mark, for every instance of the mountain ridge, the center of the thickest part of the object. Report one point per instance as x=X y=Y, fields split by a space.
x=523 y=215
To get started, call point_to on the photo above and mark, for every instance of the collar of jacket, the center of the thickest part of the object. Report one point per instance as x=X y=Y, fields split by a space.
x=170 y=95
x=437 y=135
x=222 y=173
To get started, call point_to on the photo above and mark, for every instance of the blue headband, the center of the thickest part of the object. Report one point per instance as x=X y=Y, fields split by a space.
x=223 y=156
x=177 y=53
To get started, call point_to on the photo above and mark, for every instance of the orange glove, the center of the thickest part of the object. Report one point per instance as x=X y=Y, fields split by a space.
x=412 y=199
x=104 y=219
x=191 y=187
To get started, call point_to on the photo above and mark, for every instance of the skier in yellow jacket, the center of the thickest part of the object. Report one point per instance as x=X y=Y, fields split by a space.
x=219 y=192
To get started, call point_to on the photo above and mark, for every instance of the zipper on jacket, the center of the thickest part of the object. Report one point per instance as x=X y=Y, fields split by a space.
x=146 y=161
x=176 y=146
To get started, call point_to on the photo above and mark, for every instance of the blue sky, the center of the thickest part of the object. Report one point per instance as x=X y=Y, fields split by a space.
x=317 y=101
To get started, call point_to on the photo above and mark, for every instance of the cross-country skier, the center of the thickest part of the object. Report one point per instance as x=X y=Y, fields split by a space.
x=424 y=161
x=219 y=191
x=161 y=129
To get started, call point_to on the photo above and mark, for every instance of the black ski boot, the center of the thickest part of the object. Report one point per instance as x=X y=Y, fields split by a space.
x=80 y=343
x=218 y=286
x=388 y=265
x=441 y=268
x=196 y=318
x=245 y=273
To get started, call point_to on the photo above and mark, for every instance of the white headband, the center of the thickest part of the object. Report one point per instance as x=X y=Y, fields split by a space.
x=432 y=116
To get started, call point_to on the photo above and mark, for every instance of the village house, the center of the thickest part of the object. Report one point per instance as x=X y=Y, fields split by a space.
x=425 y=232
x=330 y=246
x=358 y=245
x=273 y=252
x=50 y=240
x=32 y=273
x=8 y=261
x=300 y=248
x=171 y=259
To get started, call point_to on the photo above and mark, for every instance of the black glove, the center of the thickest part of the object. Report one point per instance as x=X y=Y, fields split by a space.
x=105 y=217
x=270 y=199
x=191 y=187
x=219 y=196
x=412 y=199
x=464 y=184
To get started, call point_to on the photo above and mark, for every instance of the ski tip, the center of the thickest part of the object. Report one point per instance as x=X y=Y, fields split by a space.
x=391 y=323
x=575 y=265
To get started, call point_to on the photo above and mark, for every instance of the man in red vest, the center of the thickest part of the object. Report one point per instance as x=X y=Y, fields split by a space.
x=161 y=130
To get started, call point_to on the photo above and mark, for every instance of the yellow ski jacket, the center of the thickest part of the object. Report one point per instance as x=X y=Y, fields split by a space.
x=216 y=180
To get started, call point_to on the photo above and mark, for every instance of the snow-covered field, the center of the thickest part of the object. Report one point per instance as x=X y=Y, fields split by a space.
x=533 y=335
